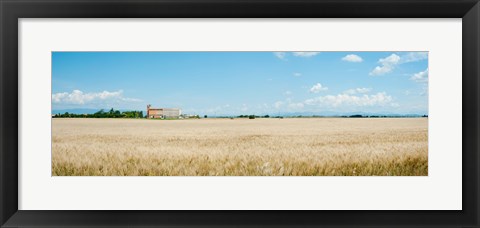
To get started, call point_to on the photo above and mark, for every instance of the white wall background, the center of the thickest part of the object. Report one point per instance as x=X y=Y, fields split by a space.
x=441 y=190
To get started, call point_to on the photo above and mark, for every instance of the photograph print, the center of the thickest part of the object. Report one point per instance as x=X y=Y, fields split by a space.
x=240 y=113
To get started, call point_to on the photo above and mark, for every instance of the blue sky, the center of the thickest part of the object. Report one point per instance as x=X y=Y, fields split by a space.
x=235 y=83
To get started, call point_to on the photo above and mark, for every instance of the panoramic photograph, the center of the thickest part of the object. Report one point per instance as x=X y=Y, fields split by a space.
x=252 y=113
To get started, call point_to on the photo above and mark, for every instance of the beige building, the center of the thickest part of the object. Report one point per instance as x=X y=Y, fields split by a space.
x=162 y=113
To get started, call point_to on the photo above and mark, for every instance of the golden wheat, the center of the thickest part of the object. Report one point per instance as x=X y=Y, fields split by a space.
x=239 y=147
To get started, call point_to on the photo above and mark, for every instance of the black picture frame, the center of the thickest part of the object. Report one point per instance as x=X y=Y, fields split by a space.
x=12 y=10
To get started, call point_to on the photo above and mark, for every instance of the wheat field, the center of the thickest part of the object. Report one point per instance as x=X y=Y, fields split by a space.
x=240 y=147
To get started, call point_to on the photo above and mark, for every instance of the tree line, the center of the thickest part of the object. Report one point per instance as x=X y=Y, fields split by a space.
x=103 y=114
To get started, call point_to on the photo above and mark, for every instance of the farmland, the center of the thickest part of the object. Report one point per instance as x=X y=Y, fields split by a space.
x=240 y=147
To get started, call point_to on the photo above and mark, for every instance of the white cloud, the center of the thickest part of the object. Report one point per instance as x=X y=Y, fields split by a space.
x=131 y=99
x=363 y=90
x=421 y=76
x=414 y=57
x=318 y=88
x=288 y=93
x=390 y=60
x=352 y=58
x=305 y=54
x=386 y=65
x=379 y=70
x=280 y=55
x=278 y=104
x=358 y=90
x=297 y=74
x=77 y=97
x=389 y=63
x=350 y=100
